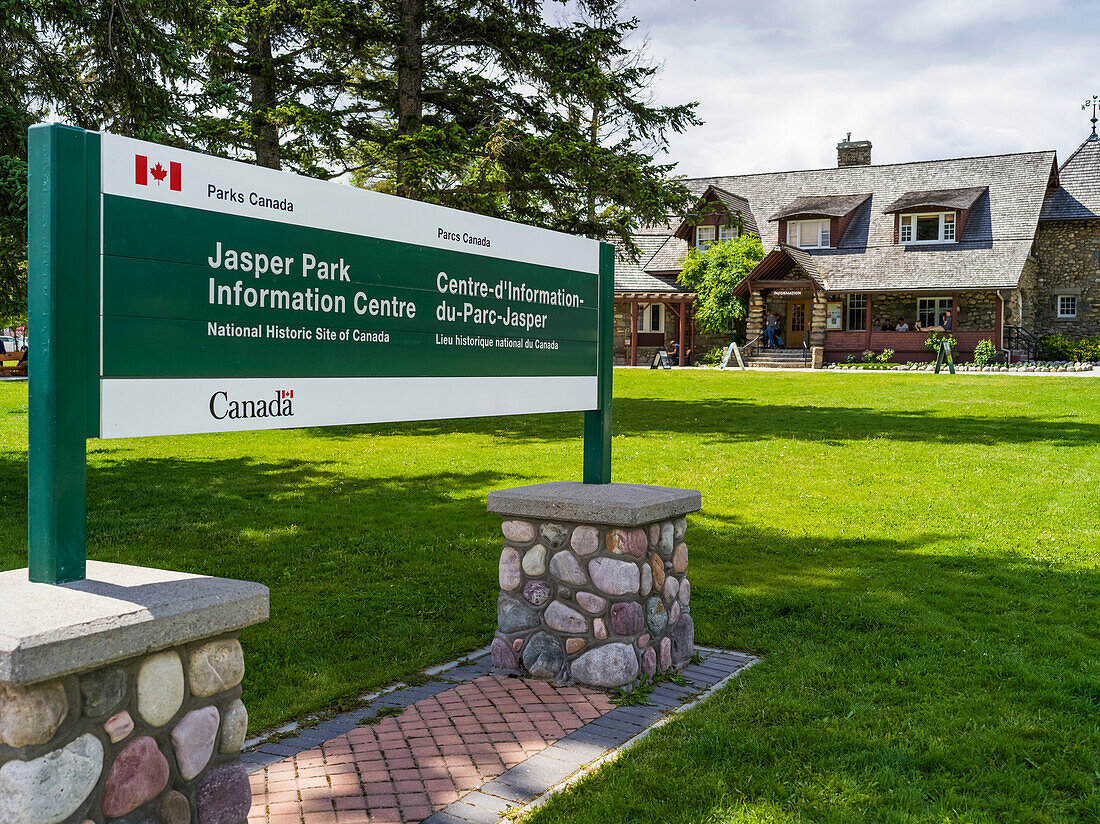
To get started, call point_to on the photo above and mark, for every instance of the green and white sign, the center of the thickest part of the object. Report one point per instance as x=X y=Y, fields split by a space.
x=176 y=292
x=237 y=297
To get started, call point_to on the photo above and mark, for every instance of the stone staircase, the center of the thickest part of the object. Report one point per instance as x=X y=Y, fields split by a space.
x=776 y=359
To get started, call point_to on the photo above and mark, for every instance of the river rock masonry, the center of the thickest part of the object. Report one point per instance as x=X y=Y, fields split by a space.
x=593 y=582
x=120 y=698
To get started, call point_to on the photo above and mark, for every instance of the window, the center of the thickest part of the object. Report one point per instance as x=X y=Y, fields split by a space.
x=930 y=311
x=932 y=228
x=704 y=237
x=651 y=317
x=808 y=234
x=857 y=312
x=1067 y=306
x=727 y=232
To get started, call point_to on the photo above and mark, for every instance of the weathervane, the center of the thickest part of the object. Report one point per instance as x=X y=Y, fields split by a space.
x=1092 y=103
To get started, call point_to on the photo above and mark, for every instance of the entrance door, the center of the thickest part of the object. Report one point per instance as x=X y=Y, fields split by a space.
x=798 y=319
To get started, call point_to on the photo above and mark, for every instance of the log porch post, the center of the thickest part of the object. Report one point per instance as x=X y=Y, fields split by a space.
x=634 y=332
x=682 y=341
x=867 y=324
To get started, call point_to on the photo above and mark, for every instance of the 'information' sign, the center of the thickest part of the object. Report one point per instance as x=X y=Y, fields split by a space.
x=173 y=292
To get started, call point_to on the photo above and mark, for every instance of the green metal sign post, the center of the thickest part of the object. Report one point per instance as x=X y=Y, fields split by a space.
x=63 y=240
x=173 y=292
x=597 y=422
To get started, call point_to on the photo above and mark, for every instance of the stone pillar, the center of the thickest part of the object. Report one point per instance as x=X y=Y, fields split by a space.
x=754 y=319
x=818 y=320
x=593 y=581
x=120 y=697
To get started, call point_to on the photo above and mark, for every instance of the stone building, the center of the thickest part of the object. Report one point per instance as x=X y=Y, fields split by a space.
x=1009 y=245
x=1064 y=295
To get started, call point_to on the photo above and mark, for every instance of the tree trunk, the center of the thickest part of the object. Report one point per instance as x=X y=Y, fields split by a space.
x=594 y=140
x=410 y=103
x=265 y=132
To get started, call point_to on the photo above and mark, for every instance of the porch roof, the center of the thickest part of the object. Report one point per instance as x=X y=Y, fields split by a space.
x=656 y=297
x=777 y=263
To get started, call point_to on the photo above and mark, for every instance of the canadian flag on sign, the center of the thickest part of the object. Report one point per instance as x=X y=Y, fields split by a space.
x=143 y=171
x=286 y=393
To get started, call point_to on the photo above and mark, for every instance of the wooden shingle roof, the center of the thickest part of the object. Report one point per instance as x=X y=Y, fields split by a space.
x=631 y=276
x=817 y=206
x=1078 y=196
x=990 y=254
x=937 y=199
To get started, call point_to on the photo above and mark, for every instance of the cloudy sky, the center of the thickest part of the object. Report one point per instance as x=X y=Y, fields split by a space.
x=779 y=82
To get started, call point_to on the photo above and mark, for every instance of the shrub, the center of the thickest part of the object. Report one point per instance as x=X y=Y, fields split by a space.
x=984 y=353
x=714 y=356
x=1058 y=347
x=1089 y=349
x=850 y=358
x=932 y=343
x=868 y=356
x=885 y=356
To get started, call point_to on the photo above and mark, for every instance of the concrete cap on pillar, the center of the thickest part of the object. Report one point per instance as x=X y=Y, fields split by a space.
x=119 y=611
x=618 y=504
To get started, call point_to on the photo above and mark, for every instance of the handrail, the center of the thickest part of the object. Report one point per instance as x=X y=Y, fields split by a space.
x=805 y=353
x=1016 y=337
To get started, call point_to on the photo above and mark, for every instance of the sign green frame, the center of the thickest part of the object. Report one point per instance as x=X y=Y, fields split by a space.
x=65 y=243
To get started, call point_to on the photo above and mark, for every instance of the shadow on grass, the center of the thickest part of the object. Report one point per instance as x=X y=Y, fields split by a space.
x=917 y=679
x=371 y=578
x=739 y=420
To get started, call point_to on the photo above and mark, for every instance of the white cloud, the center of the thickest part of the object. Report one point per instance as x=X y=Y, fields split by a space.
x=780 y=83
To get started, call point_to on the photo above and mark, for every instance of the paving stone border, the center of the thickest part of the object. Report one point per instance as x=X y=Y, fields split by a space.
x=532 y=781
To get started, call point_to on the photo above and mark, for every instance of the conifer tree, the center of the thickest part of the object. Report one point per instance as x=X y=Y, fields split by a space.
x=121 y=67
x=500 y=111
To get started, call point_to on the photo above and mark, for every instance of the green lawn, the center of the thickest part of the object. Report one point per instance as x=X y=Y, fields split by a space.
x=915 y=557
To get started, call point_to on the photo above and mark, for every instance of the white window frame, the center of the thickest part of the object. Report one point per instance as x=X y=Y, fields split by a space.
x=795 y=232
x=948 y=223
x=1058 y=307
x=704 y=237
x=727 y=232
x=942 y=305
x=855 y=302
x=645 y=319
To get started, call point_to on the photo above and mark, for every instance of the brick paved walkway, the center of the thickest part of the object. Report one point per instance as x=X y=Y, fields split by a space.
x=463 y=752
x=406 y=767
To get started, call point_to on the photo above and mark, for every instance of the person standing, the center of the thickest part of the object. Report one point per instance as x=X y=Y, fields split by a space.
x=771 y=325
x=946 y=321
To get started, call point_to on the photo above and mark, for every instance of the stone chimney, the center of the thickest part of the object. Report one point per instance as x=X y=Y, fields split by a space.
x=853 y=152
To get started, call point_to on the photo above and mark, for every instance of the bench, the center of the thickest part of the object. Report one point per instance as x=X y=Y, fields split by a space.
x=13 y=365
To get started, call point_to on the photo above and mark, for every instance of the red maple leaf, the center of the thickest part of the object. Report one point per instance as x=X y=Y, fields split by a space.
x=158 y=172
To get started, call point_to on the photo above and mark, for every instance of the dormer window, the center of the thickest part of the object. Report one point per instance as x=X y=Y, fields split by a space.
x=934 y=227
x=808 y=234
x=704 y=235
